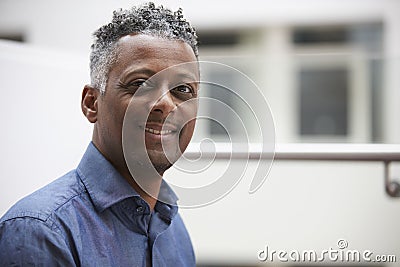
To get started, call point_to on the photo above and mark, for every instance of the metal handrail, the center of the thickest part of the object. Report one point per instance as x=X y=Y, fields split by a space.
x=385 y=153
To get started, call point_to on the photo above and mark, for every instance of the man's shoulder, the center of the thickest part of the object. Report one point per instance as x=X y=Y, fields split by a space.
x=44 y=202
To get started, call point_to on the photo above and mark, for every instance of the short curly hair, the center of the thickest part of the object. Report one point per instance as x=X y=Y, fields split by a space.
x=146 y=19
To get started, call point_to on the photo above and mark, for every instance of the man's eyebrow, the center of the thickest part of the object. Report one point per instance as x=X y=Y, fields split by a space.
x=188 y=75
x=143 y=70
x=185 y=75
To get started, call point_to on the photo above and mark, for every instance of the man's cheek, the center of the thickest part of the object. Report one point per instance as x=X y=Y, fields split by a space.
x=186 y=134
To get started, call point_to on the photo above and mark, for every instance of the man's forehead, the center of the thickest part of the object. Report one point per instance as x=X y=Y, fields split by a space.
x=144 y=43
x=141 y=51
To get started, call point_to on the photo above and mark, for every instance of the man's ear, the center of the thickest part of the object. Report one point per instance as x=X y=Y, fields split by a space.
x=89 y=103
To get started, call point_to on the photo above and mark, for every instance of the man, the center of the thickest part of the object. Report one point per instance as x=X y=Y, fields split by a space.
x=102 y=213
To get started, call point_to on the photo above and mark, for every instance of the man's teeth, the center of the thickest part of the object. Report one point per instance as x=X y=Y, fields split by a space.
x=150 y=130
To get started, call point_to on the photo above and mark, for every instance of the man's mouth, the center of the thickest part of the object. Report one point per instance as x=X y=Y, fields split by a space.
x=157 y=132
x=159 y=129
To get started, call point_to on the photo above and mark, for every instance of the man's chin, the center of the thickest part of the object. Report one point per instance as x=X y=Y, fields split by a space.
x=160 y=161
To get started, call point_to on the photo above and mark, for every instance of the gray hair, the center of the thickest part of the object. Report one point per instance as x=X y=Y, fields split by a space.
x=146 y=19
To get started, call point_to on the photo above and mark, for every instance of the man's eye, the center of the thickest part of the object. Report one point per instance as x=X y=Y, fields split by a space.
x=137 y=86
x=136 y=83
x=183 y=89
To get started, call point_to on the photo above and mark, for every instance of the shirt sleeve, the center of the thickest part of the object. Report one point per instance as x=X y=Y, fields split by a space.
x=31 y=242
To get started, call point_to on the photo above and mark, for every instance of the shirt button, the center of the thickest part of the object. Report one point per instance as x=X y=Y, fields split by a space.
x=139 y=209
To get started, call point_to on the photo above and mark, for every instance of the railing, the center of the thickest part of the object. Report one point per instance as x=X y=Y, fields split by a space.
x=319 y=152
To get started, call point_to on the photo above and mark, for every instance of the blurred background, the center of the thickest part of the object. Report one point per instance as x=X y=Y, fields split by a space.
x=330 y=71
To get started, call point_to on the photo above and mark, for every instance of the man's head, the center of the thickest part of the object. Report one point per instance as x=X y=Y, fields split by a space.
x=146 y=19
x=128 y=53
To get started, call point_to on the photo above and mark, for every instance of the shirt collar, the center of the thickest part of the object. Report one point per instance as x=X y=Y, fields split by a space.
x=106 y=186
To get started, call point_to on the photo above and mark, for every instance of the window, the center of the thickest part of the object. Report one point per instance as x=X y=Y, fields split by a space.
x=324 y=101
x=338 y=83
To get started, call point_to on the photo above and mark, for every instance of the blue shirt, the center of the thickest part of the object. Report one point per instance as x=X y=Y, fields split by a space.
x=92 y=217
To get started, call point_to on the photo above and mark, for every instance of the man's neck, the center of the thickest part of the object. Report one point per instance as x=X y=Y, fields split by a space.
x=148 y=194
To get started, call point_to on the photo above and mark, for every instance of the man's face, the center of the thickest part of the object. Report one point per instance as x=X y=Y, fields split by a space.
x=158 y=111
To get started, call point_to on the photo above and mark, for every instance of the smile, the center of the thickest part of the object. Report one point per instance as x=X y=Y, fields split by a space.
x=157 y=132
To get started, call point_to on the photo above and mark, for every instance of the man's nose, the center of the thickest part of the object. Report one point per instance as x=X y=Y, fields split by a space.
x=165 y=103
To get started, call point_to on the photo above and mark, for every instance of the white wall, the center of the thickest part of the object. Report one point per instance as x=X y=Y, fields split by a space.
x=301 y=206
x=43 y=132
